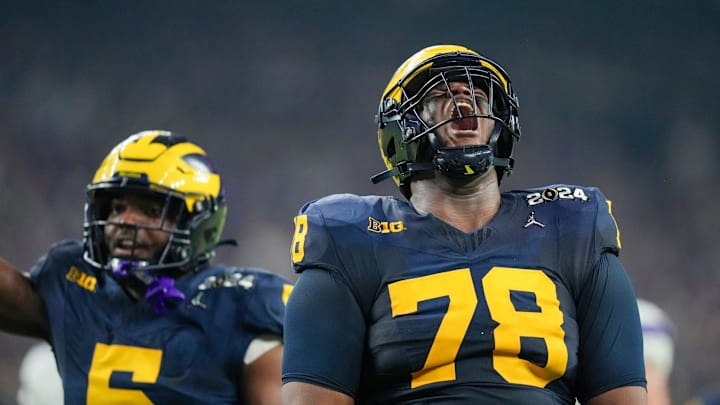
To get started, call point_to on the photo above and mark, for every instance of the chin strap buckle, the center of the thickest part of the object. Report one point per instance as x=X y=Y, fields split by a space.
x=160 y=293
x=163 y=295
x=466 y=161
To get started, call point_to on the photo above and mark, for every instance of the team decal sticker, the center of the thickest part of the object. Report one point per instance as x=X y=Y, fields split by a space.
x=234 y=279
x=556 y=193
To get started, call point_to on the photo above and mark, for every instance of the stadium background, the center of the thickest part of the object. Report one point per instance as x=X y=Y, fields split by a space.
x=282 y=95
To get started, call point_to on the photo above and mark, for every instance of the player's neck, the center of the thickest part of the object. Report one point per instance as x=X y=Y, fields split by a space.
x=468 y=207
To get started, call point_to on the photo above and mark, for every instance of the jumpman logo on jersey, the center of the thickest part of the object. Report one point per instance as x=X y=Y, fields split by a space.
x=532 y=221
x=196 y=301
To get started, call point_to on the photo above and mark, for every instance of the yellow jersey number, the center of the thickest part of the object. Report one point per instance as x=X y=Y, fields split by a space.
x=297 y=248
x=143 y=363
x=459 y=287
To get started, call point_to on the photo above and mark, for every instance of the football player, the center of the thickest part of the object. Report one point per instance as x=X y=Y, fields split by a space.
x=459 y=293
x=40 y=383
x=136 y=313
x=659 y=348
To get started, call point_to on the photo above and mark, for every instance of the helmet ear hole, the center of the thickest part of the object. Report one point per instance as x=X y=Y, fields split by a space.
x=390 y=149
x=504 y=144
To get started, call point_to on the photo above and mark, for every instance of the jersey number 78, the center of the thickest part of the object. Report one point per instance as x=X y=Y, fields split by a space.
x=497 y=284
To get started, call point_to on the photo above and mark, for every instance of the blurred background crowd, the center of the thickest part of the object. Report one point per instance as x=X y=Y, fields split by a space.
x=620 y=95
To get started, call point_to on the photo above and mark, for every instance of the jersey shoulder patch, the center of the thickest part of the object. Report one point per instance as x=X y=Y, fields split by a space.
x=559 y=193
x=581 y=207
x=254 y=296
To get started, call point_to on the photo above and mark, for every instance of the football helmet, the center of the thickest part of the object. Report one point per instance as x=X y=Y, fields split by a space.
x=407 y=143
x=658 y=336
x=164 y=166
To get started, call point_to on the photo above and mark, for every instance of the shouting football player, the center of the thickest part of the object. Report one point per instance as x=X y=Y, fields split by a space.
x=459 y=293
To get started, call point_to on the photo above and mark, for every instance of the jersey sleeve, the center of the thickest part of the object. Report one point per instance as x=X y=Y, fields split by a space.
x=607 y=234
x=611 y=347
x=611 y=351
x=325 y=332
x=52 y=276
x=332 y=234
x=265 y=306
x=325 y=319
x=312 y=245
x=587 y=231
x=46 y=273
x=52 y=270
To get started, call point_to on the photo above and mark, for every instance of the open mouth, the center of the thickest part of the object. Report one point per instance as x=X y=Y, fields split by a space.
x=464 y=109
x=129 y=247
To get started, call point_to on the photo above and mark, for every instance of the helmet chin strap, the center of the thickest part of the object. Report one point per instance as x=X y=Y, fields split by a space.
x=456 y=162
x=405 y=168
x=160 y=291
x=467 y=161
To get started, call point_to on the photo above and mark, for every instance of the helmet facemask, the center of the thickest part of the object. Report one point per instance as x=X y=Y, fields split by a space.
x=407 y=132
x=172 y=257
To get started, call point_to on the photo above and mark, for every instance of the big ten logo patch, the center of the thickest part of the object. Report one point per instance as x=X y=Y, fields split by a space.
x=84 y=280
x=385 y=226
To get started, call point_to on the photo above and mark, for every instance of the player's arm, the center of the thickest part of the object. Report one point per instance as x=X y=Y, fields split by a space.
x=611 y=348
x=297 y=393
x=263 y=312
x=22 y=310
x=621 y=396
x=324 y=341
x=263 y=378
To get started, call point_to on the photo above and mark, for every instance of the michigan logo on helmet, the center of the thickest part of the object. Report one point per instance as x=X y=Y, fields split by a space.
x=405 y=135
x=174 y=170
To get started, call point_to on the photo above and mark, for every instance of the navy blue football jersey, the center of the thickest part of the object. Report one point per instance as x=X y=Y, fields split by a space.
x=111 y=349
x=533 y=308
